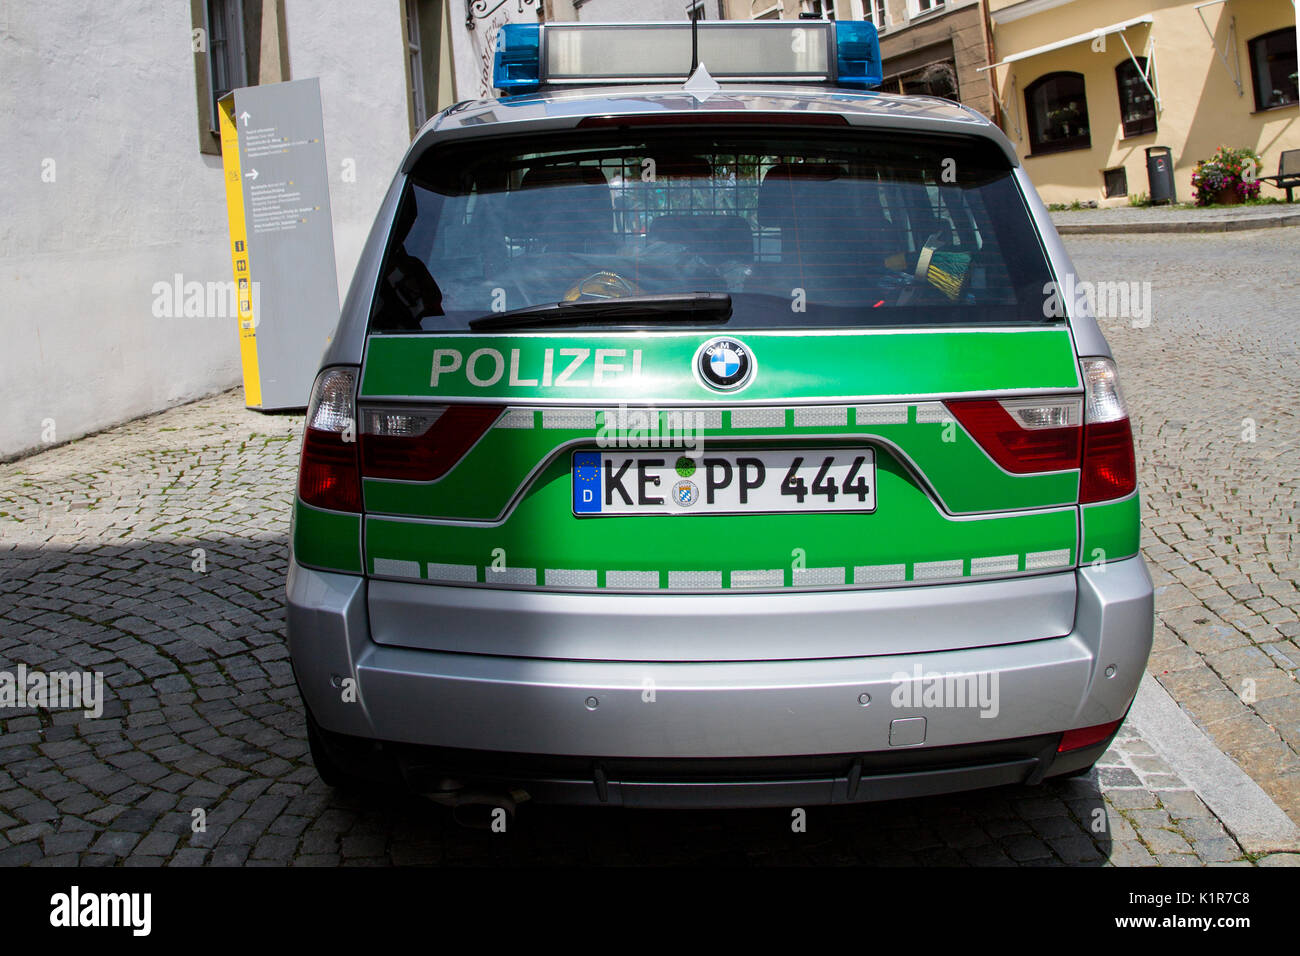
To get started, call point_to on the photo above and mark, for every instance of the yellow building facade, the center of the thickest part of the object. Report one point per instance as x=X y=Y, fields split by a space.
x=1085 y=86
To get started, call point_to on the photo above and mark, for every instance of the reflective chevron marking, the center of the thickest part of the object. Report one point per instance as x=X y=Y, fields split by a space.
x=569 y=418
x=451 y=572
x=817 y=577
x=518 y=418
x=880 y=414
x=863 y=574
x=637 y=580
x=1037 y=560
x=695 y=579
x=394 y=568
x=700 y=417
x=758 y=418
x=823 y=415
x=1001 y=564
x=516 y=576
x=568 y=577
x=932 y=413
x=928 y=570
x=879 y=573
x=773 y=578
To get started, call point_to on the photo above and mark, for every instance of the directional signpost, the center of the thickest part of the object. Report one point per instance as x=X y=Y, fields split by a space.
x=281 y=237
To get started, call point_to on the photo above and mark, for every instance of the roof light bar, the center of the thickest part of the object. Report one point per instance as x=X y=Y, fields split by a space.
x=530 y=57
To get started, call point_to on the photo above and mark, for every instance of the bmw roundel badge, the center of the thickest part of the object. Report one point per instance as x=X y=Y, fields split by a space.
x=725 y=364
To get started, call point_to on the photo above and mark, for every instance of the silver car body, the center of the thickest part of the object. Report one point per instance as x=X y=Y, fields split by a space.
x=765 y=717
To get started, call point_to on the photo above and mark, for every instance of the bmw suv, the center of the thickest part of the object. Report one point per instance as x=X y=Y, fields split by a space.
x=703 y=429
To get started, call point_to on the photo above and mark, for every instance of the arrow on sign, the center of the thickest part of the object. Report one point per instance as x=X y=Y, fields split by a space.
x=251 y=175
x=244 y=116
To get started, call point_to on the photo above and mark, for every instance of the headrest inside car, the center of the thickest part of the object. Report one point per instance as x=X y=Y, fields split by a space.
x=563 y=176
x=568 y=206
x=787 y=187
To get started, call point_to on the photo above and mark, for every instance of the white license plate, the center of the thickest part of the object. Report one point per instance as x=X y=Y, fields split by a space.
x=722 y=481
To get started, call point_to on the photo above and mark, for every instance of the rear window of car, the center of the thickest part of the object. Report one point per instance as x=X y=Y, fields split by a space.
x=801 y=230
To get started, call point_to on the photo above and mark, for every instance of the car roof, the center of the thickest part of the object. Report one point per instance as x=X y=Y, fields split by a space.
x=565 y=108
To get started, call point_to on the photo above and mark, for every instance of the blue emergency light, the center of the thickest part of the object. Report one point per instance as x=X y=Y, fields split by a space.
x=531 y=56
x=857 y=55
x=517 y=65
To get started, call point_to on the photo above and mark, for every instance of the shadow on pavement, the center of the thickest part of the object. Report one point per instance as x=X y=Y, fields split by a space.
x=203 y=720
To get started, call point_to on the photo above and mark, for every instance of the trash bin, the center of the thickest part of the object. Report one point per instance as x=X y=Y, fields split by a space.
x=1160 y=174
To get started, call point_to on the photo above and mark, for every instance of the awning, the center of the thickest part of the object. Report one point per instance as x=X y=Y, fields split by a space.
x=1060 y=44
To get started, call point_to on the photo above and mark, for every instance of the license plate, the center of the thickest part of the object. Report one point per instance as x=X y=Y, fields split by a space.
x=799 y=480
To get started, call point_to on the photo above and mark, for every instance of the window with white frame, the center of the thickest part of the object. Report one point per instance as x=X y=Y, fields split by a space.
x=873 y=11
x=919 y=7
x=823 y=9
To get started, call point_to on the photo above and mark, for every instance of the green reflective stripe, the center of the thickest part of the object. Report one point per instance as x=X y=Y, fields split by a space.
x=789 y=366
x=326 y=539
x=542 y=533
x=1111 y=530
x=480 y=487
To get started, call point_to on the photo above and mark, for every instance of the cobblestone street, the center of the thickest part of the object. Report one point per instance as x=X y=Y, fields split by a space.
x=155 y=553
x=1212 y=388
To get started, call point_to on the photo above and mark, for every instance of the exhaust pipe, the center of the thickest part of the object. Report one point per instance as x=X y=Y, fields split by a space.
x=477 y=809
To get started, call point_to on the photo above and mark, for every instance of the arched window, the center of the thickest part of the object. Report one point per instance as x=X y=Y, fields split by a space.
x=1058 y=113
x=1137 y=107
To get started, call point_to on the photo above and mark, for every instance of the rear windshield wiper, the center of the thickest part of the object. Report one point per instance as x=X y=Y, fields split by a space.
x=712 y=307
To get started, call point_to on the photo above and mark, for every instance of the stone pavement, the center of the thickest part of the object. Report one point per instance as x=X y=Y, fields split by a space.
x=1212 y=387
x=1178 y=219
x=155 y=553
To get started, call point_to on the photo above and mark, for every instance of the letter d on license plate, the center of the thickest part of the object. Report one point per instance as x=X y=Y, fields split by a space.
x=724 y=481
x=586 y=482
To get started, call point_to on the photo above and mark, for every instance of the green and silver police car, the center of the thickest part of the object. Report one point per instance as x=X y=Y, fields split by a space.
x=705 y=429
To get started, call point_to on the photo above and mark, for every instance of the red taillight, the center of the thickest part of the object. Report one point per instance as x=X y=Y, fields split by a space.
x=1024 y=436
x=420 y=444
x=1034 y=435
x=1086 y=736
x=327 y=476
x=1109 y=470
x=327 y=472
x=716 y=118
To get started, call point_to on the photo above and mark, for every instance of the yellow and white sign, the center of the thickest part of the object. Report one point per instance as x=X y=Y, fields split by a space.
x=281 y=237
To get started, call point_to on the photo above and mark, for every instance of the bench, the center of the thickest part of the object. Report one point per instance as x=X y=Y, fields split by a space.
x=1288 y=172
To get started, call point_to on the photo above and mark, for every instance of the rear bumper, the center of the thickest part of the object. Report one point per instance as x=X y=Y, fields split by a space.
x=946 y=720
x=711 y=783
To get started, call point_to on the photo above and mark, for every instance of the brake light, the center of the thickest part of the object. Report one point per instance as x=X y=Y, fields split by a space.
x=1086 y=736
x=1024 y=436
x=718 y=117
x=327 y=472
x=1109 y=470
x=420 y=444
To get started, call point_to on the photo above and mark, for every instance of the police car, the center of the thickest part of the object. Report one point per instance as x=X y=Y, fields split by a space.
x=705 y=429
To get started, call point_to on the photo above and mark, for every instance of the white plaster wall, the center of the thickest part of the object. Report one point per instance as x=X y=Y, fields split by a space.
x=358 y=53
x=472 y=50
x=105 y=91
x=622 y=11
